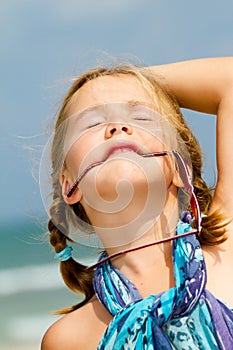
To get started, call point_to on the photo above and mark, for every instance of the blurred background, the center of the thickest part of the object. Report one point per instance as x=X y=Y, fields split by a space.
x=43 y=44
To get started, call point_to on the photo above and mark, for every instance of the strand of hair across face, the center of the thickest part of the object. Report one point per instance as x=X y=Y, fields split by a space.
x=121 y=252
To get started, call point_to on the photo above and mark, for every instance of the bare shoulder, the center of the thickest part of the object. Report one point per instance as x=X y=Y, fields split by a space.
x=219 y=263
x=73 y=330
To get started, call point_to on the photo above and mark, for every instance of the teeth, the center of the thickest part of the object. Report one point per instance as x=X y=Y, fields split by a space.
x=122 y=150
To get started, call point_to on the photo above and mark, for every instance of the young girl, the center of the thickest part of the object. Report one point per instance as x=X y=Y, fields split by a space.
x=123 y=161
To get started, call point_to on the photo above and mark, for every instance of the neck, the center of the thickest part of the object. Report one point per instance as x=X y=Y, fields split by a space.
x=150 y=268
x=119 y=232
x=135 y=225
x=142 y=246
x=155 y=244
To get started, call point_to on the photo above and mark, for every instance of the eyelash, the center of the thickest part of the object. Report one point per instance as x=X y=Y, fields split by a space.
x=143 y=119
x=93 y=125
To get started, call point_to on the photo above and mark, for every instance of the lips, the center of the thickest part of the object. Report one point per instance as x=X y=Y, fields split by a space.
x=121 y=147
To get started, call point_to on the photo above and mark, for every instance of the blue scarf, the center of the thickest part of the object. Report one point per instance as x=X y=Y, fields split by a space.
x=186 y=316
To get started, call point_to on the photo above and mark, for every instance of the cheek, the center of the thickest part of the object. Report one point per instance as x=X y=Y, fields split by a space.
x=74 y=158
x=153 y=143
x=81 y=154
x=168 y=170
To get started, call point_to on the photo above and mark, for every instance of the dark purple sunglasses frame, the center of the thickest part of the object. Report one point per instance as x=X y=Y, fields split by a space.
x=188 y=187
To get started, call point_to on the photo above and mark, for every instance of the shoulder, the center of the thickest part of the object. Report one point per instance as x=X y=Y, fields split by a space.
x=73 y=330
x=219 y=263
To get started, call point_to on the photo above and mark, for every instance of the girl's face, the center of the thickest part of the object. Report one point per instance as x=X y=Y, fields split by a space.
x=117 y=139
x=118 y=92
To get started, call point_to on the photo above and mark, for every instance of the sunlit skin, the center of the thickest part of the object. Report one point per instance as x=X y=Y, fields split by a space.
x=108 y=90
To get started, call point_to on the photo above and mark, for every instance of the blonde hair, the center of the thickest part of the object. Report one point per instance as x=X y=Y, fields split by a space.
x=75 y=275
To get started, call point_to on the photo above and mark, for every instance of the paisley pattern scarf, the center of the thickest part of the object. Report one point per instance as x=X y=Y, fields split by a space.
x=186 y=316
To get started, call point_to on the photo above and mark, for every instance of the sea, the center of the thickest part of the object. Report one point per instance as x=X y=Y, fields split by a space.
x=31 y=287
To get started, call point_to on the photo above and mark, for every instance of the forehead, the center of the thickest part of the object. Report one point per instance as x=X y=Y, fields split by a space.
x=109 y=89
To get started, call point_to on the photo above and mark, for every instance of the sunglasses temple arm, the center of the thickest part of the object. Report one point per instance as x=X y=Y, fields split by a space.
x=196 y=210
x=77 y=181
x=189 y=188
x=181 y=163
x=154 y=154
x=85 y=171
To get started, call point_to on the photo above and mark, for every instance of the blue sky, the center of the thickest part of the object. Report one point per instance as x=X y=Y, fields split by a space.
x=44 y=43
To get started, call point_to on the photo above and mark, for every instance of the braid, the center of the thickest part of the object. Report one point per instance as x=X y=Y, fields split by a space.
x=74 y=274
x=213 y=225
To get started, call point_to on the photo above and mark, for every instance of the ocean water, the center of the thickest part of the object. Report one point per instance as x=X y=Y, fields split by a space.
x=30 y=284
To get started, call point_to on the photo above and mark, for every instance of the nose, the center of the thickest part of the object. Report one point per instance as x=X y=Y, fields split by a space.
x=117 y=128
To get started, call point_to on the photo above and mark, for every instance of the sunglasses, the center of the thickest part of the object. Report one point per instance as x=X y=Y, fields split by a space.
x=187 y=186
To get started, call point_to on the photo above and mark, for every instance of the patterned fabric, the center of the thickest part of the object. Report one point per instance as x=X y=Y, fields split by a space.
x=184 y=317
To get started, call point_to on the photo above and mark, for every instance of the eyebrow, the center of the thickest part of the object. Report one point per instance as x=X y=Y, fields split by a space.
x=136 y=103
x=140 y=103
x=101 y=107
x=89 y=111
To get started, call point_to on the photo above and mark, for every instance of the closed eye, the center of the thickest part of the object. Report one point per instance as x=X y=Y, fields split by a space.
x=144 y=119
x=93 y=125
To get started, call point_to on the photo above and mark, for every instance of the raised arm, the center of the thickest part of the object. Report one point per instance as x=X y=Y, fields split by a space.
x=206 y=85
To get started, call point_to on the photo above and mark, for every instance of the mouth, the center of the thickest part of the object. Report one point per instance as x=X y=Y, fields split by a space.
x=122 y=147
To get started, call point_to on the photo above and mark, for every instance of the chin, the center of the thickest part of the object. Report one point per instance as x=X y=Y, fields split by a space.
x=119 y=169
x=123 y=184
x=123 y=189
